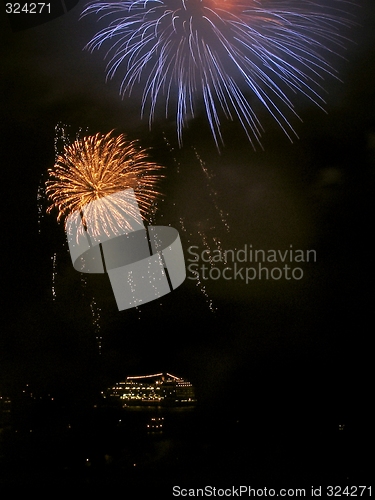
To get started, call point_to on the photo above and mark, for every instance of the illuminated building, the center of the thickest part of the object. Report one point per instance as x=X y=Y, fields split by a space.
x=159 y=389
x=5 y=410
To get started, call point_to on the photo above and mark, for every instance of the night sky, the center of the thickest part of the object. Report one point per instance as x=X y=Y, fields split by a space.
x=299 y=350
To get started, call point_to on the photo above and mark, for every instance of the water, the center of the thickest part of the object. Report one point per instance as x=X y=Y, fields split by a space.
x=158 y=448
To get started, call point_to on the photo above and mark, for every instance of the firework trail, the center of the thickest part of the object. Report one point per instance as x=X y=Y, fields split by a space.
x=212 y=193
x=54 y=271
x=207 y=231
x=97 y=166
x=95 y=312
x=219 y=52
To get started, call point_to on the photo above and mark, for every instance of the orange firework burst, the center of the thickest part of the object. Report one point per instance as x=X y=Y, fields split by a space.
x=96 y=166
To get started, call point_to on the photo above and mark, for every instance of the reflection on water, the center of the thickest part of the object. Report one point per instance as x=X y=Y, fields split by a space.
x=99 y=446
x=159 y=447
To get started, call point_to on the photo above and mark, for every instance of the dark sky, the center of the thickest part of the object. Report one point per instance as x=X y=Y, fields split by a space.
x=289 y=341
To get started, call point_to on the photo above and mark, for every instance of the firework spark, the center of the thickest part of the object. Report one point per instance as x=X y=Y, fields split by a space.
x=97 y=166
x=219 y=52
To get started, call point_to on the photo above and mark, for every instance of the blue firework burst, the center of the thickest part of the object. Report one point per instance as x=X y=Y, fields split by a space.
x=221 y=53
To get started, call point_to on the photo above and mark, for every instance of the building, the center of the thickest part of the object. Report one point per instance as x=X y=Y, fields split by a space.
x=5 y=410
x=159 y=389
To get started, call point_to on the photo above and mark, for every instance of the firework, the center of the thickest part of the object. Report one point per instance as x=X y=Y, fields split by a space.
x=96 y=166
x=218 y=53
